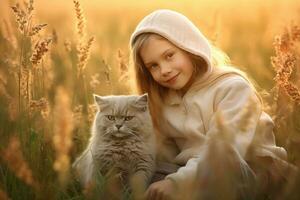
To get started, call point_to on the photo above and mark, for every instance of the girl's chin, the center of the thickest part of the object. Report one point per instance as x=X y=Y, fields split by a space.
x=175 y=87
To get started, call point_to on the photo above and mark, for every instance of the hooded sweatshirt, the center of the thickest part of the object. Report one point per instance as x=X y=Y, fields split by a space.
x=222 y=93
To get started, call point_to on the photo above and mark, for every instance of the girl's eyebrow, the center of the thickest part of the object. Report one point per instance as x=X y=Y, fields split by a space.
x=165 y=52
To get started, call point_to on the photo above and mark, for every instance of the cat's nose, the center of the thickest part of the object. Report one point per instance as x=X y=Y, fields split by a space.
x=118 y=126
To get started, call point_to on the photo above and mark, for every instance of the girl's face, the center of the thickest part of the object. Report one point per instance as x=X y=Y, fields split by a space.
x=169 y=66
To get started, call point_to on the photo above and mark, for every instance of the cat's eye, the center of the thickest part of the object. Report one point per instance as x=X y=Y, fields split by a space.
x=110 y=117
x=127 y=118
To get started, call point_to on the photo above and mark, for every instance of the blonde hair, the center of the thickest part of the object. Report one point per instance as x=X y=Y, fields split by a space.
x=146 y=84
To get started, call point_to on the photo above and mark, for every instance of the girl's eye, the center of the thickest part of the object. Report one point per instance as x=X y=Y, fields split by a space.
x=153 y=66
x=170 y=55
x=127 y=118
x=110 y=117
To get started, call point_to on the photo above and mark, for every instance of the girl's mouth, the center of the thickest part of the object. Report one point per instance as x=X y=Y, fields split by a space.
x=173 y=79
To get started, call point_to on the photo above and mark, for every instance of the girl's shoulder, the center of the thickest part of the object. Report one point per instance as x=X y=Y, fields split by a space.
x=232 y=83
x=224 y=82
x=226 y=77
x=232 y=80
x=230 y=74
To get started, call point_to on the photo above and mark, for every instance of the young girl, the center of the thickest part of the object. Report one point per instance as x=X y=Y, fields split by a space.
x=194 y=97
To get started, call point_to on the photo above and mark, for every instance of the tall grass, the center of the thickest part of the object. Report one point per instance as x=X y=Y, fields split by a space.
x=47 y=79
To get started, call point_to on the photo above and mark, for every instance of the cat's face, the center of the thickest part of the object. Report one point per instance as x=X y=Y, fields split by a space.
x=122 y=116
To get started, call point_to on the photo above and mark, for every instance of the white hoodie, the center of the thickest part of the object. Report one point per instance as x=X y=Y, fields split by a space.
x=192 y=120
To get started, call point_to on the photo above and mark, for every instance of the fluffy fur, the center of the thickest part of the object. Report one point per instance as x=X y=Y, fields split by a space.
x=122 y=141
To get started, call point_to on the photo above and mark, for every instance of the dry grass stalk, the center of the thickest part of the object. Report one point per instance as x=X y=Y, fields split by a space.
x=284 y=61
x=40 y=50
x=25 y=77
x=92 y=109
x=26 y=83
x=24 y=19
x=77 y=115
x=107 y=72
x=62 y=139
x=29 y=85
x=217 y=175
x=3 y=195
x=80 y=20
x=36 y=29
x=94 y=83
x=83 y=47
x=224 y=131
x=246 y=118
x=123 y=67
x=41 y=105
x=13 y=156
x=221 y=171
x=293 y=92
x=83 y=55
x=29 y=7
x=67 y=45
x=21 y=17
x=54 y=36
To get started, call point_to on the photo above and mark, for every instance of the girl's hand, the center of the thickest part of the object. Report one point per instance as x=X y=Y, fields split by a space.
x=161 y=190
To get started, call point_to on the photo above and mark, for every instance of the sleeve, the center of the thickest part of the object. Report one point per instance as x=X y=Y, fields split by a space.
x=166 y=149
x=237 y=109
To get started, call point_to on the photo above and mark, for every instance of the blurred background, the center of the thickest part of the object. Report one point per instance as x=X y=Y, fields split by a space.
x=244 y=29
x=48 y=74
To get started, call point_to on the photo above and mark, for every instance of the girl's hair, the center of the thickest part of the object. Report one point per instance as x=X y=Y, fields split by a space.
x=146 y=84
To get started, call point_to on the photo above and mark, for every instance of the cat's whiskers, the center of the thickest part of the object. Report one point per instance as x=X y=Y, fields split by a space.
x=137 y=132
x=107 y=132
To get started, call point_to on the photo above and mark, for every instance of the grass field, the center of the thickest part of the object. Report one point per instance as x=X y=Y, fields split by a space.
x=55 y=54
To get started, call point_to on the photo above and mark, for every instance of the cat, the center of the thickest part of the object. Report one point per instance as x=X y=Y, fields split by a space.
x=122 y=140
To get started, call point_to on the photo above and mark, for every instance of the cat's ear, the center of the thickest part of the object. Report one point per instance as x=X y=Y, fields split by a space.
x=143 y=98
x=100 y=101
x=141 y=102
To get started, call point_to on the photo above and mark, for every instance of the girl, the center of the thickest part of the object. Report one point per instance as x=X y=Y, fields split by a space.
x=204 y=112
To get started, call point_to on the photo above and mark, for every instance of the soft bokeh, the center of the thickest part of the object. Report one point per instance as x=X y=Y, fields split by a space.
x=48 y=63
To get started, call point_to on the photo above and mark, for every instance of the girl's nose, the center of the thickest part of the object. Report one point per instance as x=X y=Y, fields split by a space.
x=165 y=69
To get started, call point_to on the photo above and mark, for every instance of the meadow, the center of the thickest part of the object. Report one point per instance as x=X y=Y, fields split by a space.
x=54 y=55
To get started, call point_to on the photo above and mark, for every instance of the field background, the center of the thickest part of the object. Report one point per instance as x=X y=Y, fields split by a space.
x=45 y=124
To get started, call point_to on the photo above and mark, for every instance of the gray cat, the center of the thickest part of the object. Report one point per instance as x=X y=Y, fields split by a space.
x=122 y=141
